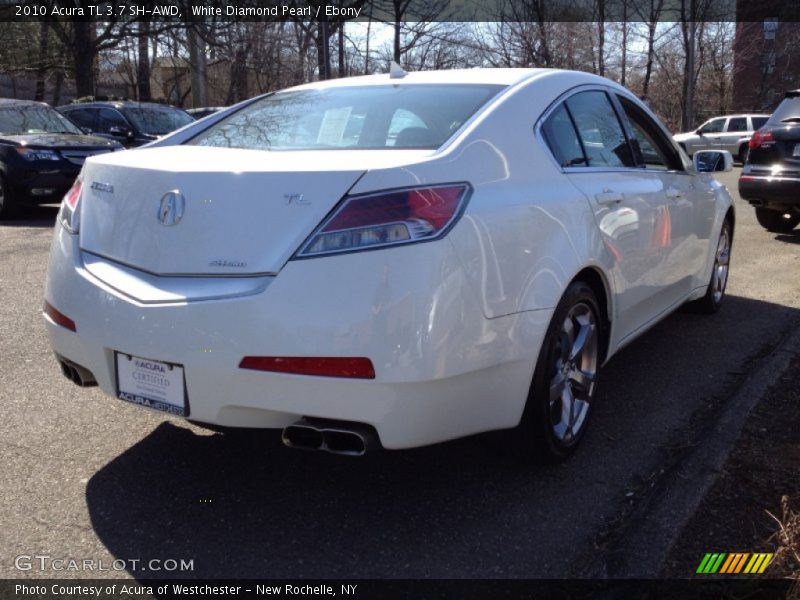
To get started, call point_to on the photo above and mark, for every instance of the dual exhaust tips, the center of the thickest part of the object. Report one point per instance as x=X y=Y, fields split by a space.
x=336 y=437
x=76 y=373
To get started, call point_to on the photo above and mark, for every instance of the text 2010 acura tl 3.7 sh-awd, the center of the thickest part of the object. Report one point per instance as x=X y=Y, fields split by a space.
x=395 y=259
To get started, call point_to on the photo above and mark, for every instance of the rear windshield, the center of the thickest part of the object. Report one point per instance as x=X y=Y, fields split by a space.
x=157 y=121
x=788 y=111
x=391 y=116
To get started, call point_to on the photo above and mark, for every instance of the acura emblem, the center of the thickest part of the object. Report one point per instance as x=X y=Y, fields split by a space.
x=170 y=212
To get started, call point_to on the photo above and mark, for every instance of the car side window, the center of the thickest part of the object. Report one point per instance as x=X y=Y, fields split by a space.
x=84 y=118
x=737 y=124
x=599 y=130
x=561 y=137
x=108 y=118
x=713 y=126
x=656 y=150
x=759 y=122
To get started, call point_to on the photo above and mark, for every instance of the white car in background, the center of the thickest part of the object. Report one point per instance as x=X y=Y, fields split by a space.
x=731 y=133
x=394 y=260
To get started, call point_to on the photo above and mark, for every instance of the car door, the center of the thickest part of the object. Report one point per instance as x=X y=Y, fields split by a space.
x=735 y=130
x=112 y=124
x=629 y=203
x=690 y=207
x=710 y=134
x=83 y=118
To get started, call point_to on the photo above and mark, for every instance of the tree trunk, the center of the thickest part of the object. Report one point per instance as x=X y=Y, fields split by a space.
x=342 y=69
x=366 y=50
x=41 y=69
x=83 y=55
x=397 y=29
x=143 y=92
x=197 y=67
x=323 y=50
x=57 y=88
x=601 y=37
x=624 y=65
x=651 y=52
x=689 y=30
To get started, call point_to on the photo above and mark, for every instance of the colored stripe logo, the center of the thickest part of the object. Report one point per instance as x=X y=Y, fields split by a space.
x=734 y=563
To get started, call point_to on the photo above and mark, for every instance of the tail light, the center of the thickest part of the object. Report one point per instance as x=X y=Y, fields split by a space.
x=58 y=317
x=760 y=138
x=69 y=214
x=389 y=218
x=321 y=366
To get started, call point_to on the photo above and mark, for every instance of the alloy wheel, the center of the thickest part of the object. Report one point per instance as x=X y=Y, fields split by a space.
x=574 y=372
x=719 y=279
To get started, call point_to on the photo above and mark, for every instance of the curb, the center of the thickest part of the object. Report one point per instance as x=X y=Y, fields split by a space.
x=647 y=535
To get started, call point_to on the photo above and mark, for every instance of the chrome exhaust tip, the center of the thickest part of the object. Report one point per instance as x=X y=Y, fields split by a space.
x=76 y=374
x=346 y=439
x=303 y=436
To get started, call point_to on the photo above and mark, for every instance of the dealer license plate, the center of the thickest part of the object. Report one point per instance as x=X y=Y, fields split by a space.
x=151 y=383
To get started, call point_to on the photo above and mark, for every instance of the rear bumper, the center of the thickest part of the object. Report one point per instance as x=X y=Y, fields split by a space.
x=777 y=192
x=442 y=370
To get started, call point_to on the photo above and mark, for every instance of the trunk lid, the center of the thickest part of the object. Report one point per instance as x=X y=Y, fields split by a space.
x=244 y=212
x=783 y=151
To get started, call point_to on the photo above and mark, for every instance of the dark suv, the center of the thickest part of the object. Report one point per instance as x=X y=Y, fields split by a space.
x=770 y=180
x=41 y=154
x=130 y=123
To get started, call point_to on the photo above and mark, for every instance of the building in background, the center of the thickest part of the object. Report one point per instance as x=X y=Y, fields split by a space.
x=766 y=55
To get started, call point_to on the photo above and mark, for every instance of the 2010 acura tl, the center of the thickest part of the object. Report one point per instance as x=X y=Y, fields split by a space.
x=397 y=259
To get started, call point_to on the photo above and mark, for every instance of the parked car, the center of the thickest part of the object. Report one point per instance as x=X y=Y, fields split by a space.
x=770 y=181
x=130 y=123
x=731 y=133
x=280 y=268
x=199 y=113
x=41 y=154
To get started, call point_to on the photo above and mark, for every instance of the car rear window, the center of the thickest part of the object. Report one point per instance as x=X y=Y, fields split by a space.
x=737 y=124
x=788 y=111
x=759 y=122
x=359 y=117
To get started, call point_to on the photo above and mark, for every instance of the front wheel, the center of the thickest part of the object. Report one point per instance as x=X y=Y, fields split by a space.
x=777 y=221
x=718 y=283
x=564 y=381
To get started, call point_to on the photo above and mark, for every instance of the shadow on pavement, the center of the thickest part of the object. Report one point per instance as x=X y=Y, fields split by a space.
x=790 y=238
x=33 y=216
x=247 y=507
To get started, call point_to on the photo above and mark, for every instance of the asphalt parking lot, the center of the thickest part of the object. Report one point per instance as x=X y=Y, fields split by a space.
x=89 y=477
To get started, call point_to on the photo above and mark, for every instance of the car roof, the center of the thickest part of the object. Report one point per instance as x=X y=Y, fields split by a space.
x=13 y=102
x=739 y=115
x=116 y=104
x=491 y=76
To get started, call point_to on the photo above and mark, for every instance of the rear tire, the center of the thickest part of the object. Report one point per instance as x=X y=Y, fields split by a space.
x=564 y=381
x=715 y=294
x=777 y=221
x=744 y=151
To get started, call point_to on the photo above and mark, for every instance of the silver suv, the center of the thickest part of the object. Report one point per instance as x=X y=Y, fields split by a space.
x=731 y=133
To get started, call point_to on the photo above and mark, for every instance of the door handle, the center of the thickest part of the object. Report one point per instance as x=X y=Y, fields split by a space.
x=609 y=197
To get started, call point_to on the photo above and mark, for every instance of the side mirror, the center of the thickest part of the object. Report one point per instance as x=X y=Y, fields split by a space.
x=699 y=132
x=712 y=161
x=117 y=131
x=86 y=130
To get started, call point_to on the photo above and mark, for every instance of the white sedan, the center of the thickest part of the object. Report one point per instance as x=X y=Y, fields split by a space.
x=392 y=260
